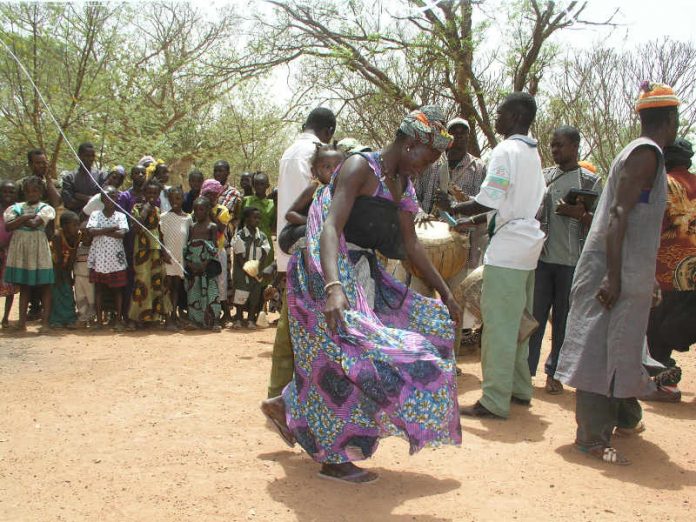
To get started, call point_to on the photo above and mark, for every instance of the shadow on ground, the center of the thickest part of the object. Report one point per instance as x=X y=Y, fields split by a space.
x=313 y=498
x=651 y=467
x=521 y=426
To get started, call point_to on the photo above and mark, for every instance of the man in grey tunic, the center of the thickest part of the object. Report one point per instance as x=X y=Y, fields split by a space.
x=614 y=284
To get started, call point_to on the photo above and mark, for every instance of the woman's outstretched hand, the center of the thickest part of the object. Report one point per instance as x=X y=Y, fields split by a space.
x=336 y=303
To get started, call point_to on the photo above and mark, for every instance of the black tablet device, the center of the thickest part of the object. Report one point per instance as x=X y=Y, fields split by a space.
x=588 y=197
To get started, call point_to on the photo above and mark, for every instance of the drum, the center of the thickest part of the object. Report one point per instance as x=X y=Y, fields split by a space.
x=447 y=250
x=468 y=296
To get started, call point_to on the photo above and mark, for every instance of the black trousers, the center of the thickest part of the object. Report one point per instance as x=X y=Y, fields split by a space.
x=672 y=325
x=597 y=415
x=552 y=285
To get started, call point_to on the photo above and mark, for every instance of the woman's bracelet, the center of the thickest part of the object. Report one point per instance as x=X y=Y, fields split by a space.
x=331 y=284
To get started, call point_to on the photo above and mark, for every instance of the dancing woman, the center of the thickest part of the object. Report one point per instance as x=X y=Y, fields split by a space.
x=372 y=358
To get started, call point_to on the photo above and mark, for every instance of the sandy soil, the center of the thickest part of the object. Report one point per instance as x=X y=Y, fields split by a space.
x=157 y=426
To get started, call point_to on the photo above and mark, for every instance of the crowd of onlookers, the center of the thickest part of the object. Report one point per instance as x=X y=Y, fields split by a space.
x=83 y=253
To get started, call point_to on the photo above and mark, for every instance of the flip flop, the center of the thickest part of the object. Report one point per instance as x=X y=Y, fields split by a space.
x=353 y=477
x=283 y=431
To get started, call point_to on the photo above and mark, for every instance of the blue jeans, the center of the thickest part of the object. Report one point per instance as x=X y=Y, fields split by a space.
x=552 y=285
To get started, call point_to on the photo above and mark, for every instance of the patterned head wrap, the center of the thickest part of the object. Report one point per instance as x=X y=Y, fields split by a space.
x=427 y=126
x=152 y=167
x=211 y=186
x=654 y=95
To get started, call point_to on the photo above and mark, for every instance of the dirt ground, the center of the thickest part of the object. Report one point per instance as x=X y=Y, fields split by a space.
x=156 y=426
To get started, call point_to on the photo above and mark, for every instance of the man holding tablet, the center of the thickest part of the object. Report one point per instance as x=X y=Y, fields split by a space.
x=566 y=215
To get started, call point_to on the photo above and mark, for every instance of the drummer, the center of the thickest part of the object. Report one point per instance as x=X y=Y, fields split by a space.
x=466 y=174
x=513 y=190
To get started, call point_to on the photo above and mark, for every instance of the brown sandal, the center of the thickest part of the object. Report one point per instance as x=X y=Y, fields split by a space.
x=553 y=387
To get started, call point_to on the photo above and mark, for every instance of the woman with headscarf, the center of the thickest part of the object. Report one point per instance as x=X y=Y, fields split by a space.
x=372 y=358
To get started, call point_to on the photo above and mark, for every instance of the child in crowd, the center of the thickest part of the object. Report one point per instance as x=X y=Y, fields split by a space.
x=115 y=178
x=161 y=175
x=29 y=261
x=266 y=208
x=149 y=302
x=175 y=226
x=246 y=183
x=195 y=180
x=64 y=247
x=324 y=163
x=220 y=216
x=84 y=288
x=133 y=195
x=8 y=196
x=107 y=257
x=250 y=245
x=203 y=268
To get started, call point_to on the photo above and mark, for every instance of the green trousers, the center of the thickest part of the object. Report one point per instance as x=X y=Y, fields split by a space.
x=505 y=294
x=282 y=360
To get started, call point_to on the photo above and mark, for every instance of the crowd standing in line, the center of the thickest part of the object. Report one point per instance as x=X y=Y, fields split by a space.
x=136 y=258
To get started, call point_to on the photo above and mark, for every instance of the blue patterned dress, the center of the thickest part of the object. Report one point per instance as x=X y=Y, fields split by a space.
x=391 y=371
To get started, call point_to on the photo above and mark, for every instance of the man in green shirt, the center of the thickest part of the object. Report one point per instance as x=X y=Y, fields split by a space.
x=566 y=227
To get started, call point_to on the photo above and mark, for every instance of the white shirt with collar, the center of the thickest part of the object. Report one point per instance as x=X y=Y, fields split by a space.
x=294 y=176
x=514 y=187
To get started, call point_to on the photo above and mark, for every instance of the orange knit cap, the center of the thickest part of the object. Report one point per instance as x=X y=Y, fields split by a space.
x=654 y=95
x=589 y=166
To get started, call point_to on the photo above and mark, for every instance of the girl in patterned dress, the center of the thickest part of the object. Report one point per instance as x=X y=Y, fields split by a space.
x=202 y=269
x=107 y=256
x=149 y=302
x=8 y=196
x=372 y=358
x=29 y=260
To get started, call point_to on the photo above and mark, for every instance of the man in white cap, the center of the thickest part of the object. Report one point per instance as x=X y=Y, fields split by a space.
x=466 y=174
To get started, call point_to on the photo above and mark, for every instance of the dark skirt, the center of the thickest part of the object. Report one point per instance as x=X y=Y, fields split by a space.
x=112 y=280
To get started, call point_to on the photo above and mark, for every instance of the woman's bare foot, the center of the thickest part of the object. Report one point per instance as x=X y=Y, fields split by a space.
x=347 y=472
x=274 y=410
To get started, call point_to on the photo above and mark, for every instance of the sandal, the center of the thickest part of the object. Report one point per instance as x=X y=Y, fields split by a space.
x=360 y=476
x=281 y=427
x=628 y=432
x=553 y=387
x=607 y=454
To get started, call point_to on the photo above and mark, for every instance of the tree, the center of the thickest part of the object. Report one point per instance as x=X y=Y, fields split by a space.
x=369 y=59
x=596 y=92
x=65 y=49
